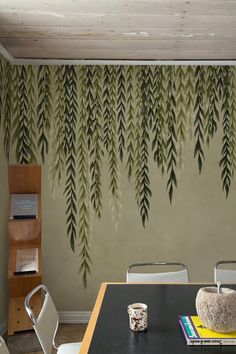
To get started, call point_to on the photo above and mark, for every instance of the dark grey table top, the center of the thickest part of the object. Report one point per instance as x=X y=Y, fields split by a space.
x=165 y=302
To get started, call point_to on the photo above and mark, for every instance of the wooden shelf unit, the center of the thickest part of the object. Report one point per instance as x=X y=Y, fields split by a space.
x=23 y=234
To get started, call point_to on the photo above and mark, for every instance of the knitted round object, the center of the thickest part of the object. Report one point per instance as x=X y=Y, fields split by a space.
x=217 y=311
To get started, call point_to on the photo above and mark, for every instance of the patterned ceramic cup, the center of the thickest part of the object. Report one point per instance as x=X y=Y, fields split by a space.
x=137 y=317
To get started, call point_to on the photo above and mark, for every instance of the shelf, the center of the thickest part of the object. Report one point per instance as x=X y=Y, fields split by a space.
x=20 y=320
x=23 y=234
x=24 y=179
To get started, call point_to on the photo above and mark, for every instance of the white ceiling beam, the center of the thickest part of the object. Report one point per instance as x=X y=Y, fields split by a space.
x=27 y=61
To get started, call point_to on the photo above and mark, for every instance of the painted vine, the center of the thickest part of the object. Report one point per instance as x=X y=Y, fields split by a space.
x=80 y=116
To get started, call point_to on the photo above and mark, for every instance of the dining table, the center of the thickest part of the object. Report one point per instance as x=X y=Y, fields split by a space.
x=108 y=330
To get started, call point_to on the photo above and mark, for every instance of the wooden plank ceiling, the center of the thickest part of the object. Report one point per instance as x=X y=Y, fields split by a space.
x=119 y=29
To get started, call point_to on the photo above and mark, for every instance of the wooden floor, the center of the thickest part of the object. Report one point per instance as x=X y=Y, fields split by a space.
x=67 y=333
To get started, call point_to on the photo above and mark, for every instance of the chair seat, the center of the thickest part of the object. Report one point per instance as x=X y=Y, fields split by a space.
x=69 y=348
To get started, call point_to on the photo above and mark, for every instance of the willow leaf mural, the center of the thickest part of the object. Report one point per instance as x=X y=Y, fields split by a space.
x=159 y=124
x=172 y=135
x=57 y=130
x=181 y=116
x=44 y=108
x=138 y=135
x=120 y=109
x=113 y=152
x=3 y=75
x=199 y=117
x=233 y=119
x=32 y=114
x=190 y=97
x=7 y=102
x=70 y=142
x=226 y=161
x=82 y=119
x=24 y=134
x=84 y=207
x=130 y=135
x=106 y=107
x=144 y=192
x=212 y=113
x=96 y=152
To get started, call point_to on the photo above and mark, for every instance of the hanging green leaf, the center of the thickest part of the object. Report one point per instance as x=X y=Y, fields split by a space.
x=199 y=117
x=232 y=73
x=220 y=84
x=172 y=136
x=83 y=182
x=138 y=135
x=130 y=120
x=225 y=162
x=70 y=114
x=7 y=104
x=114 y=171
x=14 y=89
x=96 y=153
x=57 y=130
x=149 y=73
x=32 y=115
x=190 y=93
x=181 y=113
x=44 y=109
x=121 y=109
x=159 y=124
x=21 y=126
x=145 y=191
x=212 y=113
x=106 y=107
x=3 y=80
x=164 y=98
x=90 y=101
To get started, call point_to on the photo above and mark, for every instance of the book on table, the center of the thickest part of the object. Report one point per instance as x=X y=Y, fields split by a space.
x=196 y=333
x=26 y=261
x=24 y=206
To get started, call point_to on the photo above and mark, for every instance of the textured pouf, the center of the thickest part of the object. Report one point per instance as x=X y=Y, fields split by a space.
x=217 y=311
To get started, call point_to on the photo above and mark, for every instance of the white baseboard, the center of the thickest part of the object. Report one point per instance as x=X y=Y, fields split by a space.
x=74 y=316
x=3 y=328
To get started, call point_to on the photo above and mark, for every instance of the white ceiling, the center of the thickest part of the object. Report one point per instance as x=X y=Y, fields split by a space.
x=119 y=29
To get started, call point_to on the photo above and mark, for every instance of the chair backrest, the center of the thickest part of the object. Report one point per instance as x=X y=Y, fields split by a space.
x=225 y=275
x=3 y=347
x=46 y=324
x=178 y=276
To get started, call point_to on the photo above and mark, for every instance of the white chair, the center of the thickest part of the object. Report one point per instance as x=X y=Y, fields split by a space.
x=177 y=276
x=46 y=324
x=3 y=347
x=224 y=275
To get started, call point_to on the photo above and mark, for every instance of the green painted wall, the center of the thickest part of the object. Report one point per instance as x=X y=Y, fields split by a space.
x=70 y=118
x=198 y=229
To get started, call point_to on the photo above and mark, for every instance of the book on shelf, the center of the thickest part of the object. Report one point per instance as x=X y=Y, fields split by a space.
x=196 y=333
x=26 y=261
x=24 y=206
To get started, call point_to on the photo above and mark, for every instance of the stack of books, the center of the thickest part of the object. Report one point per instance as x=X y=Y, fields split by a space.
x=196 y=333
